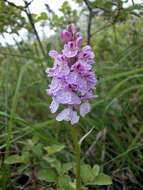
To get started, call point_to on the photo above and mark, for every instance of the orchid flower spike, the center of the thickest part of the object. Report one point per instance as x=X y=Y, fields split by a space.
x=73 y=81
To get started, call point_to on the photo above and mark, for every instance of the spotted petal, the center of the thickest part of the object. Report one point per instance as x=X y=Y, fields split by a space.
x=74 y=117
x=68 y=115
x=64 y=115
x=54 y=106
x=84 y=109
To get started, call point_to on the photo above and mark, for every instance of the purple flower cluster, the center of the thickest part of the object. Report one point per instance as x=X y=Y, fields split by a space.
x=72 y=81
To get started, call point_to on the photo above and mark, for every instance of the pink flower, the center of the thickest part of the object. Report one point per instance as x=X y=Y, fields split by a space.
x=88 y=96
x=67 y=96
x=55 y=86
x=70 y=49
x=58 y=57
x=73 y=82
x=68 y=115
x=59 y=71
x=86 y=53
x=84 y=109
x=82 y=64
x=78 y=67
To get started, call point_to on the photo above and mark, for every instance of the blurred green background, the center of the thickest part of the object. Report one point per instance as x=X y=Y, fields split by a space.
x=36 y=151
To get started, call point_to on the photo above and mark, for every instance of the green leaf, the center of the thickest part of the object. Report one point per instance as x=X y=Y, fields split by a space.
x=66 y=167
x=135 y=7
x=47 y=175
x=95 y=170
x=43 y=16
x=55 y=18
x=74 y=13
x=14 y=159
x=48 y=47
x=35 y=139
x=64 y=6
x=54 y=148
x=64 y=182
x=22 y=168
x=34 y=16
x=49 y=159
x=2 y=4
x=54 y=163
x=73 y=185
x=102 y=179
x=86 y=173
x=38 y=150
x=13 y=109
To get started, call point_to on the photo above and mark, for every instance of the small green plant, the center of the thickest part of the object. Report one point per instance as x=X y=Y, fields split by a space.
x=43 y=163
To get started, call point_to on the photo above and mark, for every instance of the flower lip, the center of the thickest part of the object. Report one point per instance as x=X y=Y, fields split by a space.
x=71 y=45
x=68 y=115
x=78 y=67
x=70 y=49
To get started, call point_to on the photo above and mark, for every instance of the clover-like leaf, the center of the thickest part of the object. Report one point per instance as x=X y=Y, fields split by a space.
x=95 y=170
x=14 y=159
x=47 y=175
x=86 y=173
x=54 y=148
x=102 y=179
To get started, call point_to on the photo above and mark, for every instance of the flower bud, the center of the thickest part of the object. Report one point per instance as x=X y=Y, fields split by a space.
x=79 y=41
x=75 y=29
x=65 y=36
x=77 y=35
x=70 y=28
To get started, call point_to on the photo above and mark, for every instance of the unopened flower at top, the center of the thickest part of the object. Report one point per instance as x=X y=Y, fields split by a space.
x=72 y=79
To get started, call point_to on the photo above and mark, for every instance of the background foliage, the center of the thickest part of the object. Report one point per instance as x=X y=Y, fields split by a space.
x=36 y=151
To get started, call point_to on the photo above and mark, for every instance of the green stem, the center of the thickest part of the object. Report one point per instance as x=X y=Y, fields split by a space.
x=77 y=149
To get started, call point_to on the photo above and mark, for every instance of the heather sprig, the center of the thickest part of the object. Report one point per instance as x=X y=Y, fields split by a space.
x=72 y=79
